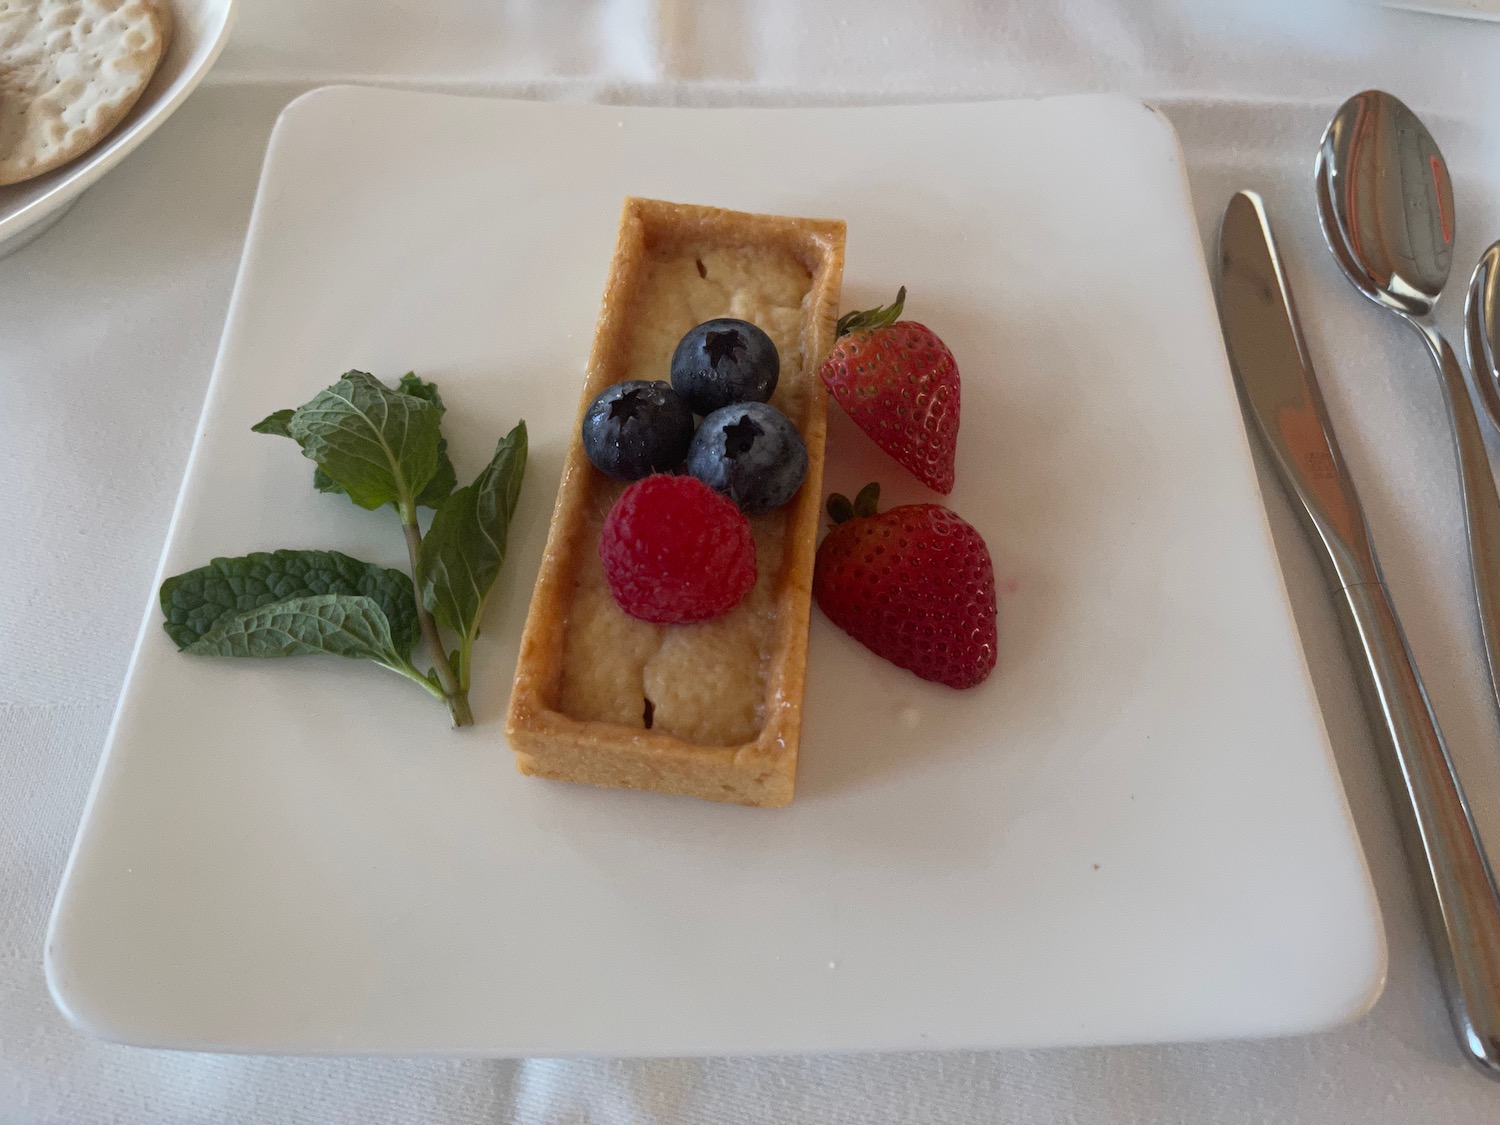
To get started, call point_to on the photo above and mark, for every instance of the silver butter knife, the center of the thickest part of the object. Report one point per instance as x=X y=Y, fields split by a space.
x=1280 y=392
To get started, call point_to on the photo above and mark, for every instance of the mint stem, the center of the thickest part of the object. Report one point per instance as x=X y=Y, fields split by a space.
x=417 y=678
x=458 y=699
x=465 y=647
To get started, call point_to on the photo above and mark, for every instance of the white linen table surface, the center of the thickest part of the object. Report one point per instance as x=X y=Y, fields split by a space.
x=108 y=329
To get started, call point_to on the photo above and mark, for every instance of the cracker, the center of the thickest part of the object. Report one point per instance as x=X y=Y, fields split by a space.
x=69 y=72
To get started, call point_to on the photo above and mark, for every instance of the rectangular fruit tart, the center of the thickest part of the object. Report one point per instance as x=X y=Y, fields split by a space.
x=666 y=644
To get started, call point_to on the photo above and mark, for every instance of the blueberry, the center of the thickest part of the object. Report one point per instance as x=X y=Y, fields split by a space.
x=637 y=428
x=752 y=453
x=724 y=361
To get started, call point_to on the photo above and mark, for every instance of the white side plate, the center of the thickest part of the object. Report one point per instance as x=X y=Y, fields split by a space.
x=200 y=28
x=1134 y=831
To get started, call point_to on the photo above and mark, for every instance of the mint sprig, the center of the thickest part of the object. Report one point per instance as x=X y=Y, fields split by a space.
x=344 y=625
x=377 y=444
x=465 y=547
x=443 y=481
x=380 y=446
x=194 y=603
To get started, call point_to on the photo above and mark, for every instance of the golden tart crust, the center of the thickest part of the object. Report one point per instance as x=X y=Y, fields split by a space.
x=712 y=710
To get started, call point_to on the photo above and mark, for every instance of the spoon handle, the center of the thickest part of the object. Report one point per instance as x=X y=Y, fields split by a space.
x=1481 y=502
x=1460 y=901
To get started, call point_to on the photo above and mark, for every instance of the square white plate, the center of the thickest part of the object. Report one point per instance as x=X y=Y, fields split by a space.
x=1133 y=831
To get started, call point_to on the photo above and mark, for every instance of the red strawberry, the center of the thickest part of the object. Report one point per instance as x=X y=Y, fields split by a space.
x=899 y=383
x=674 y=550
x=913 y=585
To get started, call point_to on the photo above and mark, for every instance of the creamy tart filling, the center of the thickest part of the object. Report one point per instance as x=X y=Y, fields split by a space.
x=702 y=683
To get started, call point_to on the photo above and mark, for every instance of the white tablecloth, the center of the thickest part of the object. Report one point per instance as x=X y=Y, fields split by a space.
x=108 y=327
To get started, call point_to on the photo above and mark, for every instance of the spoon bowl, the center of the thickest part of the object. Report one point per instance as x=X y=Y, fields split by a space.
x=1482 y=330
x=1386 y=203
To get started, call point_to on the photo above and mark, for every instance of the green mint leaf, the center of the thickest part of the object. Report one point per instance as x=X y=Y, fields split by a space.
x=379 y=445
x=413 y=384
x=445 y=480
x=345 y=625
x=274 y=424
x=325 y=483
x=464 y=549
x=195 y=603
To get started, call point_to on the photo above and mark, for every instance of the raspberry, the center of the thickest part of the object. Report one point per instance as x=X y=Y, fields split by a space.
x=675 y=551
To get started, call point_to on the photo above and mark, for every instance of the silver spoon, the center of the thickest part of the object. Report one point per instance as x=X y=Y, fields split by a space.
x=1482 y=330
x=1386 y=206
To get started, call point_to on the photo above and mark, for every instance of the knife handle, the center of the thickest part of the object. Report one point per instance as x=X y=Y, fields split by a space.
x=1481 y=502
x=1452 y=875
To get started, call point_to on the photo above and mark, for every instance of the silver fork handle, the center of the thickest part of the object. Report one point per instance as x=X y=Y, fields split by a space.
x=1481 y=502
x=1453 y=880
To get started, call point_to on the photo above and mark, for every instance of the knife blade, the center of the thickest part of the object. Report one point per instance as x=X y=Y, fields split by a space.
x=1279 y=389
x=1276 y=381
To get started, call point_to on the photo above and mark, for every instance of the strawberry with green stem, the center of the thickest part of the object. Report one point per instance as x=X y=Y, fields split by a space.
x=899 y=383
x=914 y=585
